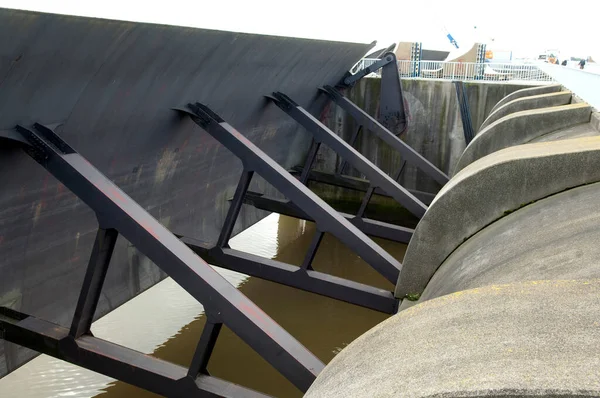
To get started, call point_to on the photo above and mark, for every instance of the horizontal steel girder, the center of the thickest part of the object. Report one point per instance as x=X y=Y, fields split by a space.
x=323 y=134
x=291 y=275
x=370 y=227
x=370 y=123
x=326 y=218
x=356 y=184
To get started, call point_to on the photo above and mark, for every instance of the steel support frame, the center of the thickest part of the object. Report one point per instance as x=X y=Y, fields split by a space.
x=308 y=204
x=323 y=134
x=370 y=123
x=130 y=366
x=303 y=278
x=116 y=211
x=370 y=227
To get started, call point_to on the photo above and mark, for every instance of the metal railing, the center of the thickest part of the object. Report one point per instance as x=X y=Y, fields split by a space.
x=463 y=70
x=472 y=71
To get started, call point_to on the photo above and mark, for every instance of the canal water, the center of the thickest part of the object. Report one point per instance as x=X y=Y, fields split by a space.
x=166 y=321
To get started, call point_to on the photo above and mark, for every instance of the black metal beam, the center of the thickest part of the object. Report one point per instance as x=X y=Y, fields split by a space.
x=120 y=212
x=93 y=281
x=369 y=226
x=392 y=113
x=356 y=159
x=352 y=142
x=113 y=360
x=326 y=218
x=312 y=250
x=234 y=208
x=291 y=275
x=465 y=112
x=310 y=159
x=357 y=184
x=206 y=345
x=370 y=123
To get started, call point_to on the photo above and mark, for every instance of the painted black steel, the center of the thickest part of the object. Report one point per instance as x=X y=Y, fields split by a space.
x=115 y=210
x=370 y=123
x=385 y=60
x=113 y=360
x=370 y=227
x=234 y=208
x=94 y=279
x=312 y=250
x=111 y=84
x=356 y=184
x=353 y=139
x=392 y=113
x=325 y=217
x=356 y=159
x=310 y=159
x=205 y=347
x=465 y=111
x=291 y=275
x=371 y=190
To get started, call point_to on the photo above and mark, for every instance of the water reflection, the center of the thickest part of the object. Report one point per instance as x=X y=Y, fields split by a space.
x=170 y=328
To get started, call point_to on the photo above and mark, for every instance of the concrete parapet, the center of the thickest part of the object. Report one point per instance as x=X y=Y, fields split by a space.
x=527 y=103
x=527 y=92
x=553 y=238
x=487 y=190
x=524 y=339
x=522 y=127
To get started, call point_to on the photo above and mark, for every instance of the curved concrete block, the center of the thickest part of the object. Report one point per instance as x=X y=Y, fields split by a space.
x=527 y=103
x=525 y=339
x=577 y=131
x=521 y=127
x=527 y=92
x=489 y=189
x=554 y=238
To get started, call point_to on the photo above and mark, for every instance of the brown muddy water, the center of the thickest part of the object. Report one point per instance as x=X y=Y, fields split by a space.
x=166 y=321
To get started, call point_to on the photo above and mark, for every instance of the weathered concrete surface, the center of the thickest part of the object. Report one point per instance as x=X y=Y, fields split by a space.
x=577 y=131
x=527 y=92
x=526 y=103
x=483 y=96
x=521 y=127
x=488 y=189
x=553 y=238
x=525 y=339
x=113 y=85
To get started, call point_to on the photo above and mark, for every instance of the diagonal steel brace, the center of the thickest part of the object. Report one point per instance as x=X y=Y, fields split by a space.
x=323 y=134
x=370 y=123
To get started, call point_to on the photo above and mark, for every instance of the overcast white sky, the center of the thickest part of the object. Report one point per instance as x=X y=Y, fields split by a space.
x=524 y=26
